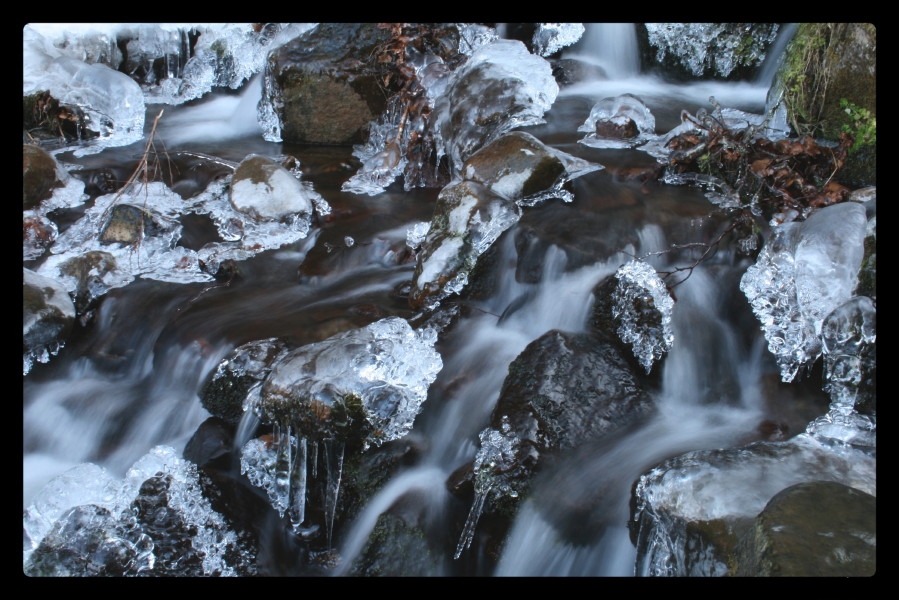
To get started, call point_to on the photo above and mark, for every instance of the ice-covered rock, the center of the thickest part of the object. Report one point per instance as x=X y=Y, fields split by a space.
x=48 y=320
x=110 y=103
x=687 y=511
x=642 y=307
x=710 y=49
x=85 y=516
x=500 y=87
x=468 y=218
x=620 y=122
x=549 y=38
x=378 y=374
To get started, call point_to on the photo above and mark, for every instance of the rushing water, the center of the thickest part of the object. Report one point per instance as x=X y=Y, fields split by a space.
x=131 y=380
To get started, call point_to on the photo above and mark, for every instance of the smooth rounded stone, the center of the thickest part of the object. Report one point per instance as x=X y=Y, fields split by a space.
x=515 y=166
x=126 y=225
x=812 y=529
x=264 y=189
x=40 y=176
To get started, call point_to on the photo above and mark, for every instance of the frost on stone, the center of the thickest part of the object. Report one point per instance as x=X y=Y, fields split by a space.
x=805 y=271
x=71 y=193
x=83 y=484
x=212 y=538
x=383 y=160
x=138 y=231
x=227 y=55
x=643 y=307
x=848 y=335
x=402 y=140
x=88 y=484
x=48 y=318
x=620 y=122
x=142 y=241
x=416 y=234
x=377 y=376
x=549 y=38
x=468 y=218
x=711 y=48
x=573 y=167
x=356 y=389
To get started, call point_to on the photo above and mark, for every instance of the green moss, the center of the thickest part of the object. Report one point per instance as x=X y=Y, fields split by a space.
x=801 y=85
x=829 y=81
x=861 y=124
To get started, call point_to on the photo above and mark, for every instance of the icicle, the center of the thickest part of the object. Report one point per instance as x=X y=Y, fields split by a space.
x=296 y=510
x=334 y=470
x=283 y=465
x=315 y=460
x=471 y=523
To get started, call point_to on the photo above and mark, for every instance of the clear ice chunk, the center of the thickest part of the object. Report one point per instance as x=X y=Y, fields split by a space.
x=805 y=271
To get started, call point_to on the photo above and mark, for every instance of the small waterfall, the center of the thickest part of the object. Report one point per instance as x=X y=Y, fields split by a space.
x=612 y=46
x=698 y=406
x=429 y=480
x=775 y=54
x=222 y=118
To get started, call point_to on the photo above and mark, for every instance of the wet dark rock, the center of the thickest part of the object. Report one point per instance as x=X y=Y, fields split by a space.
x=213 y=439
x=811 y=529
x=620 y=129
x=396 y=548
x=568 y=71
x=336 y=78
x=562 y=391
x=566 y=388
x=366 y=473
x=586 y=237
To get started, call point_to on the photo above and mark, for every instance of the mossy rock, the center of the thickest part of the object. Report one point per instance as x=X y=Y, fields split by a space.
x=829 y=82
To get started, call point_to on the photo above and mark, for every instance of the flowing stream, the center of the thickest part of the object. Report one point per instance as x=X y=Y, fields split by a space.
x=131 y=380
